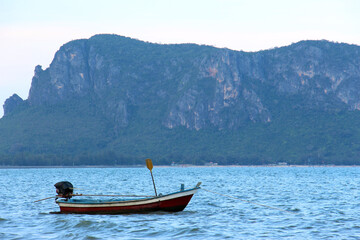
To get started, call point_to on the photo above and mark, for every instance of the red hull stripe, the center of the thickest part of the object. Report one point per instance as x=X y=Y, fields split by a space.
x=173 y=202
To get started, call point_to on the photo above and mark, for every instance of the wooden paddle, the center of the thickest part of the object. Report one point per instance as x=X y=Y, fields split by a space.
x=149 y=165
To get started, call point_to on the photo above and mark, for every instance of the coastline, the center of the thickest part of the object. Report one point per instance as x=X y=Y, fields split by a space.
x=180 y=166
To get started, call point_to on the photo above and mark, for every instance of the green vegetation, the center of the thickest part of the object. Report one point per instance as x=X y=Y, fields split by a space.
x=115 y=113
x=77 y=135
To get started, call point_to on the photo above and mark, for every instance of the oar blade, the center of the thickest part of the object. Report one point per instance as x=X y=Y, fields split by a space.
x=149 y=164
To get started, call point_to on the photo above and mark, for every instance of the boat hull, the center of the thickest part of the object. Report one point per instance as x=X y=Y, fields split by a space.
x=171 y=203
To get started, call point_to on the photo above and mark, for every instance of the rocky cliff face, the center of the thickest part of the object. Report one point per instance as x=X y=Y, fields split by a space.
x=12 y=103
x=198 y=86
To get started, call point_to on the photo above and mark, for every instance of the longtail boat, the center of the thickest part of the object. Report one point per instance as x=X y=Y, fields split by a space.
x=172 y=202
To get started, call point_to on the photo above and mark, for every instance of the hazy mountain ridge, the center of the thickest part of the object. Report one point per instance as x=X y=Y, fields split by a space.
x=320 y=71
x=124 y=81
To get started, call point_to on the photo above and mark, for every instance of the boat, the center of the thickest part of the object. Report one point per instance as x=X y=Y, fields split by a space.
x=173 y=202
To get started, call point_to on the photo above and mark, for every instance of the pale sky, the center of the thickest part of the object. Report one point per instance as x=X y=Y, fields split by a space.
x=32 y=31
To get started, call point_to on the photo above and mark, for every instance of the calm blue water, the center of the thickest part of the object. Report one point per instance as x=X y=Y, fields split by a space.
x=324 y=202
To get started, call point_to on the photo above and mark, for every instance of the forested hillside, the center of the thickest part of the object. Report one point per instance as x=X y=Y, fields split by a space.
x=112 y=100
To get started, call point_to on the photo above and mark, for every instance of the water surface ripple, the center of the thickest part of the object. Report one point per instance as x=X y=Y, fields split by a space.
x=325 y=202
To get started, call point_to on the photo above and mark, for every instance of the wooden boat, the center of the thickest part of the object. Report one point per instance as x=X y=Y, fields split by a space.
x=173 y=202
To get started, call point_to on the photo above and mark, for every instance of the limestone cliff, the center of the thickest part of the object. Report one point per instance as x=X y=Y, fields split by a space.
x=198 y=86
x=12 y=103
x=111 y=99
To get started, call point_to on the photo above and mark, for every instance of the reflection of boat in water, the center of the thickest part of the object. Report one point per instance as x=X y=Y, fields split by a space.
x=173 y=202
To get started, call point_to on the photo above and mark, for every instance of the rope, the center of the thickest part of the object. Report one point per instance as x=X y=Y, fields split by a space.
x=43 y=199
x=247 y=201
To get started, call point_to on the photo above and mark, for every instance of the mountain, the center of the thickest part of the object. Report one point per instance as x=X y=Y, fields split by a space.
x=116 y=100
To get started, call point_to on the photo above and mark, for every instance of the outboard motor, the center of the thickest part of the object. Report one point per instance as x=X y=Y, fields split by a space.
x=64 y=189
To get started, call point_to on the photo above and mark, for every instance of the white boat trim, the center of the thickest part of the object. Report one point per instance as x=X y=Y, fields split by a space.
x=137 y=202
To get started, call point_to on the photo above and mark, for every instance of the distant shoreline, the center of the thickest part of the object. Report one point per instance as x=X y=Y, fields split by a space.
x=177 y=166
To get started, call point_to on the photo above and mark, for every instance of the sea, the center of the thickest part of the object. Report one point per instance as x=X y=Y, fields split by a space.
x=234 y=203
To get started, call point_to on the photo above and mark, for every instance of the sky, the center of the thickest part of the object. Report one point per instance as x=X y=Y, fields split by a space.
x=32 y=31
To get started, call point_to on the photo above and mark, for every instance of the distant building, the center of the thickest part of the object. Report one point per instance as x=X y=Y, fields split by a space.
x=211 y=164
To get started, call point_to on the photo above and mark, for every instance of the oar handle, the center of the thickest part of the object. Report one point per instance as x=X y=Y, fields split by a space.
x=153 y=182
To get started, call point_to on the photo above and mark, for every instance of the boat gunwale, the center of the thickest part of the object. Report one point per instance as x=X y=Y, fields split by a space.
x=86 y=203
